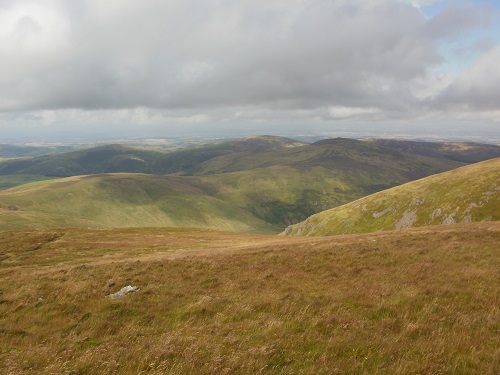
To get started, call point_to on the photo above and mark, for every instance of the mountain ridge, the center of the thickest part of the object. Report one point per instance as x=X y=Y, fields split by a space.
x=235 y=155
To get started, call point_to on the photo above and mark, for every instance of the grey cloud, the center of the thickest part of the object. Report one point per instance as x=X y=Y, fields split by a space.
x=477 y=88
x=211 y=54
x=456 y=19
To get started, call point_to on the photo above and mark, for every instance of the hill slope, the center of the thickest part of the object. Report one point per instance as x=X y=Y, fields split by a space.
x=250 y=153
x=466 y=194
x=121 y=200
x=341 y=153
x=263 y=184
x=421 y=301
x=119 y=158
x=260 y=199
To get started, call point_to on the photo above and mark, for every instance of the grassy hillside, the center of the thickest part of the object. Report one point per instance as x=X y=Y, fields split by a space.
x=119 y=158
x=256 y=152
x=421 y=301
x=121 y=200
x=261 y=184
x=88 y=161
x=341 y=154
x=261 y=199
x=466 y=194
x=9 y=181
x=282 y=195
x=257 y=200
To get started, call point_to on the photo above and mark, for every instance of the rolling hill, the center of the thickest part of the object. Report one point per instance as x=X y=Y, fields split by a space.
x=250 y=153
x=344 y=154
x=12 y=151
x=467 y=152
x=263 y=185
x=263 y=199
x=121 y=200
x=422 y=301
x=465 y=194
x=119 y=158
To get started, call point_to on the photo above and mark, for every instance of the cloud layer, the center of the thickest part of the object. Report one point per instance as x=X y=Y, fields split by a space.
x=344 y=58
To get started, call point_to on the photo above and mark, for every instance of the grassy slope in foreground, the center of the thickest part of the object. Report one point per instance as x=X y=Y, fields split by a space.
x=465 y=194
x=422 y=301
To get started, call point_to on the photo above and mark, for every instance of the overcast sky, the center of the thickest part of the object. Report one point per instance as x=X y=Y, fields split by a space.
x=127 y=66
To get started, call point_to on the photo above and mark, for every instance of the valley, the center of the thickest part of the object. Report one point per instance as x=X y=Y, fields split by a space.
x=255 y=185
x=119 y=259
x=250 y=187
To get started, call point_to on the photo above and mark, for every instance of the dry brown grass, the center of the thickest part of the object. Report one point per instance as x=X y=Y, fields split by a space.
x=416 y=301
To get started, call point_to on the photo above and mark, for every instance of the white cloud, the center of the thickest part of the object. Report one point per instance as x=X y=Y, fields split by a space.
x=477 y=87
x=338 y=112
x=202 y=61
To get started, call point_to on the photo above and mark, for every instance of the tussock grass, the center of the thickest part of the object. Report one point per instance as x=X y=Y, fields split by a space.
x=415 y=301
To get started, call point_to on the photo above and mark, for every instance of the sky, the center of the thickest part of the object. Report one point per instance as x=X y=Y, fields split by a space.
x=159 y=67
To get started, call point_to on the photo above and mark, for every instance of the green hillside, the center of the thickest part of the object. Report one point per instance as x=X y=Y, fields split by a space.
x=341 y=154
x=466 y=194
x=121 y=200
x=259 y=184
x=119 y=158
x=283 y=195
x=9 y=181
x=261 y=199
x=254 y=152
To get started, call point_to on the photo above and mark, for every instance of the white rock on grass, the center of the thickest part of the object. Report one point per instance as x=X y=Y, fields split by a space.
x=123 y=292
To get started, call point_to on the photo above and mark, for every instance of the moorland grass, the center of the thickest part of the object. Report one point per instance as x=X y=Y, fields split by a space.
x=415 y=301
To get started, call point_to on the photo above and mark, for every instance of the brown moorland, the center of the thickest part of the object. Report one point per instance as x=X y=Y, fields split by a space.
x=422 y=300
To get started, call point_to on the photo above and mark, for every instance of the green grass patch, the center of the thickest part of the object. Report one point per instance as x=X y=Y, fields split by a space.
x=9 y=181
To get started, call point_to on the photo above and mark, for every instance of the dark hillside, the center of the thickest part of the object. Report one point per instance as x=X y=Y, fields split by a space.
x=467 y=152
x=119 y=158
x=339 y=154
x=11 y=151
